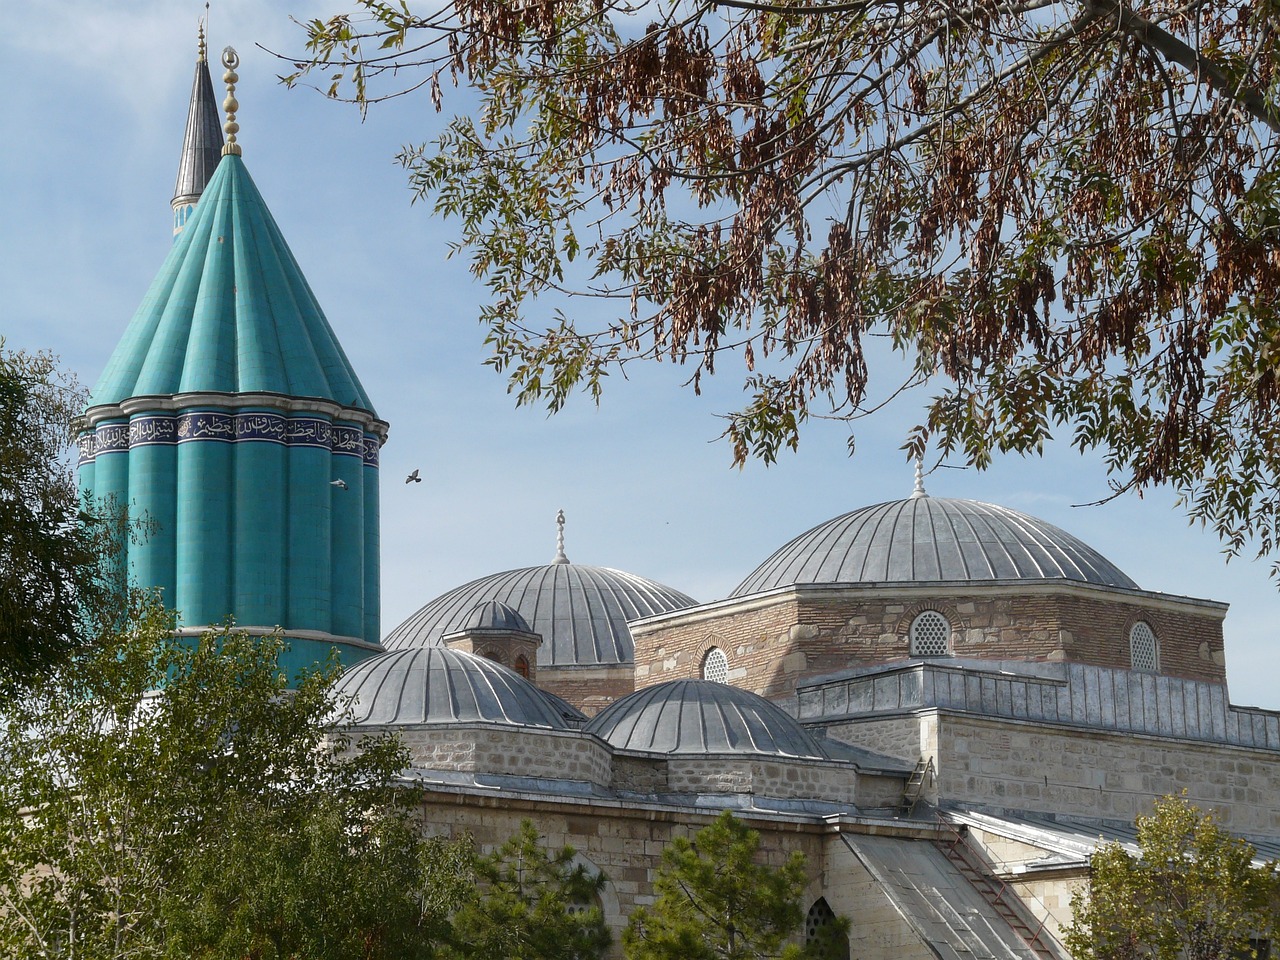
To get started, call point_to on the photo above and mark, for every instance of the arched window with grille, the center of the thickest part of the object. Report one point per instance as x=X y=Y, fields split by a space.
x=1144 y=648
x=521 y=666
x=824 y=934
x=930 y=635
x=715 y=666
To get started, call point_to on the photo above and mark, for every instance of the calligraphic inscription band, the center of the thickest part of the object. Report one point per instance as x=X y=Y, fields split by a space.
x=111 y=438
x=271 y=427
x=348 y=441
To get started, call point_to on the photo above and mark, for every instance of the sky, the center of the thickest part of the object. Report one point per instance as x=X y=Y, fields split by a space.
x=90 y=131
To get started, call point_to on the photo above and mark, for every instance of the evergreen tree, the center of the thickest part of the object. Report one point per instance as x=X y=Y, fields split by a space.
x=716 y=902
x=1192 y=892
x=529 y=904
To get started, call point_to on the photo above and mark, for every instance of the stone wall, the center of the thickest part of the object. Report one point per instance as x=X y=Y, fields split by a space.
x=511 y=751
x=764 y=776
x=1016 y=765
x=625 y=842
x=892 y=736
x=774 y=640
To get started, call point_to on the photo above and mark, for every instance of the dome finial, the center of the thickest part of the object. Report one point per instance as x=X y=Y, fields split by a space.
x=918 y=492
x=230 y=60
x=560 y=557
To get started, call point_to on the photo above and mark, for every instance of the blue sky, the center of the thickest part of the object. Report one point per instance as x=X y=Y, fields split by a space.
x=92 y=123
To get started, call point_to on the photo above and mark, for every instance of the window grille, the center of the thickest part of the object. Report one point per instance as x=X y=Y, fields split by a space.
x=930 y=635
x=715 y=666
x=522 y=667
x=1144 y=648
x=821 y=932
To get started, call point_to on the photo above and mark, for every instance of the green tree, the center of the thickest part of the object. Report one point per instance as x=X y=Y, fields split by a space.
x=1062 y=214
x=1192 y=892
x=714 y=901
x=529 y=904
x=51 y=571
x=164 y=799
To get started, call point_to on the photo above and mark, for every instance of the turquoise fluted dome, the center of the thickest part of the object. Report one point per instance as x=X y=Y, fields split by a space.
x=230 y=312
x=230 y=422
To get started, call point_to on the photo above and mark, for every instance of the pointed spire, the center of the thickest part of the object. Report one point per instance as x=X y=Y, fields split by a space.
x=918 y=492
x=201 y=143
x=231 y=60
x=560 y=556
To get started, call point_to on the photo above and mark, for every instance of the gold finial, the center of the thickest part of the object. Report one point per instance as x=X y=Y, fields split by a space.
x=230 y=60
x=202 y=53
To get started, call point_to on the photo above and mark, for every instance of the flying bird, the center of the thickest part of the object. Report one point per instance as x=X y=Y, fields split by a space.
x=339 y=483
x=413 y=478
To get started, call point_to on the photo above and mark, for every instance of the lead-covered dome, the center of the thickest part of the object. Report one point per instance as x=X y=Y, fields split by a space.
x=933 y=539
x=580 y=611
x=439 y=685
x=701 y=716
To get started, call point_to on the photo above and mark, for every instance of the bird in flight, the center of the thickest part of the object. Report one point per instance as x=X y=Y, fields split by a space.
x=339 y=483
x=413 y=477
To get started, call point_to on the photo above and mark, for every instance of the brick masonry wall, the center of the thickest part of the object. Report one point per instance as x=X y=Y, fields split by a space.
x=1025 y=766
x=772 y=643
x=590 y=689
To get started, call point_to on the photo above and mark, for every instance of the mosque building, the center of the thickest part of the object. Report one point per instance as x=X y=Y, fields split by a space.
x=944 y=704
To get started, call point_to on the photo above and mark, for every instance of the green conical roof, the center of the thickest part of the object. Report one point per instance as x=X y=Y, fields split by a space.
x=230 y=312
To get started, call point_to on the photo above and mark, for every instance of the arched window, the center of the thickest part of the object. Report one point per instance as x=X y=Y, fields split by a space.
x=521 y=666
x=930 y=635
x=823 y=933
x=494 y=655
x=715 y=666
x=1144 y=648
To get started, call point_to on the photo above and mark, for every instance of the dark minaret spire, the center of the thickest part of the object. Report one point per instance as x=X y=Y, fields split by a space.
x=201 y=144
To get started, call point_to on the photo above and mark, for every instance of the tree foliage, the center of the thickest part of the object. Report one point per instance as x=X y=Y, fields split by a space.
x=530 y=904
x=1063 y=214
x=51 y=559
x=159 y=799
x=714 y=901
x=1192 y=892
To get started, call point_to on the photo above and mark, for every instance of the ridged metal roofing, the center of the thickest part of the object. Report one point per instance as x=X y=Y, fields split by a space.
x=932 y=539
x=202 y=140
x=701 y=716
x=439 y=685
x=230 y=311
x=580 y=611
x=495 y=615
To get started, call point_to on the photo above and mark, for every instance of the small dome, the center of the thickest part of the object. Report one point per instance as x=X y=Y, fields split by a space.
x=580 y=611
x=701 y=716
x=933 y=539
x=439 y=685
x=495 y=615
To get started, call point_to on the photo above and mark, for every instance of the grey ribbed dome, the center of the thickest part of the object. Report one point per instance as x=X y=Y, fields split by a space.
x=932 y=539
x=494 y=615
x=701 y=716
x=581 y=612
x=439 y=685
